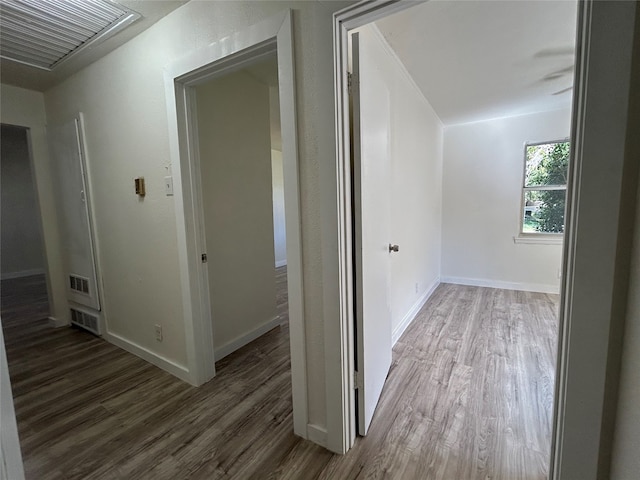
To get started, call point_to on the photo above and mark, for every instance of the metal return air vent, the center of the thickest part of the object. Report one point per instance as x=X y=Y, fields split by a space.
x=86 y=320
x=44 y=33
x=79 y=284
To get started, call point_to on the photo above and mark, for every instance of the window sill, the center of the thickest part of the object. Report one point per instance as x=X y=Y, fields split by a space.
x=551 y=239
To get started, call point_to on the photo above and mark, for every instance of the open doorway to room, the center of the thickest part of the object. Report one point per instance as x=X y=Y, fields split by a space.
x=232 y=117
x=241 y=176
x=464 y=274
x=24 y=297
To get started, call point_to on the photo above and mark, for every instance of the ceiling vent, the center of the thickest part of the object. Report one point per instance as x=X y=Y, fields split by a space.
x=45 y=33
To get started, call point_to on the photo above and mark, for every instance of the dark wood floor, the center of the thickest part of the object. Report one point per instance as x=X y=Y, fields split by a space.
x=469 y=396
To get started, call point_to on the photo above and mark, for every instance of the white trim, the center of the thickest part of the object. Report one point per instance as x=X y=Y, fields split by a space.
x=57 y=322
x=158 y=360
x=22 y=273
x=521 y=286
x=281 y=263
x=413 y=311
x=317 y=434
x=533 y=239
x=273 y=34
x=241 y=341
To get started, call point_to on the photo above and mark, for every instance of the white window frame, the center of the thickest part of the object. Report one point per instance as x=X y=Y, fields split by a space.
x=548 y=238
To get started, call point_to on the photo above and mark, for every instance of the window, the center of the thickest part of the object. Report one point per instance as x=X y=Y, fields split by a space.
x=545 y=187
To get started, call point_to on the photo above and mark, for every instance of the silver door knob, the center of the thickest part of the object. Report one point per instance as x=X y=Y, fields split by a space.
x=394 y=248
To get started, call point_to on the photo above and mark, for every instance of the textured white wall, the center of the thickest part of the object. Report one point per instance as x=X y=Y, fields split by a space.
x=123 y=99
x=21 y=241
x=235 y=164
x=482 y=183
x=26 y=108
x=415 y=183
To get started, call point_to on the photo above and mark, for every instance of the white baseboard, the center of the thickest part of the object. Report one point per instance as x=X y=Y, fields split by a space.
x=221 y=352
x=57 y=322
x=317 y=434
x=525 y=287
x=281 y=263
x=23 y=273
x=413 y=311
x=159 y=361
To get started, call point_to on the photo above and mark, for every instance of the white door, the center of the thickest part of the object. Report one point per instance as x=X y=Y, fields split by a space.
x=371 y=145
x=74 y=213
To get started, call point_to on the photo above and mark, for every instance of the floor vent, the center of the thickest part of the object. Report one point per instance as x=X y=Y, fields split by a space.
x=86 y=320
x=79 y=284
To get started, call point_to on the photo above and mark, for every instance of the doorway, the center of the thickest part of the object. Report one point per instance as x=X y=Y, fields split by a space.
x=24 y=283
x=452 y=130
x=272 y=36
x=235 y=150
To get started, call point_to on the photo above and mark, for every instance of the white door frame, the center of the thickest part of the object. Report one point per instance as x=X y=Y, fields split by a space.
x=591 y=262
x=273 y=34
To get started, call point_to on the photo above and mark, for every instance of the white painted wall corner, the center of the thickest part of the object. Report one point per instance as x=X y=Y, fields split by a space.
x=242 y=340
x=413 y=311
x=159 y=361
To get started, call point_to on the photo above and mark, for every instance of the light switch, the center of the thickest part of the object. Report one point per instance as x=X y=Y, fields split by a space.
x=168 y=185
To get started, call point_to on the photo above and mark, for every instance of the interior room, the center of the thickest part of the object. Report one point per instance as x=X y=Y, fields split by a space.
x=489 y=298
x=475 y=278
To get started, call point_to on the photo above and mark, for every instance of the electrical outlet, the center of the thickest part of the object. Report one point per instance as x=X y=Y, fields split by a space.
x=159 y=333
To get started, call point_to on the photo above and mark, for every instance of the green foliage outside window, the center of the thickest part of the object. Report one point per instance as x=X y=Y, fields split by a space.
x=546 y=166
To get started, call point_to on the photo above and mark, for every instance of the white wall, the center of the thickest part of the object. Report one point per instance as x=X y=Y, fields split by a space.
x=123 y=99
x=626 y=458
x=482 y=183
x=21 y=243
x=279 y=225
x=235 y=164
x=415 y=183
x=26 y=108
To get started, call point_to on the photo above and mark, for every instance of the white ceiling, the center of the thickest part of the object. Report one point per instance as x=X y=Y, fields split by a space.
x=481 y=59
x=33 y=78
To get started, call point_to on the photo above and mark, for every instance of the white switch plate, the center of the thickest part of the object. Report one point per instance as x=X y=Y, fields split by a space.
x=168 y=185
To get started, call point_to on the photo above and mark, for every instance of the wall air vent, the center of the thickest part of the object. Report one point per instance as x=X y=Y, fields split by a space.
x=86 y=320
x=79 y=284
x=44 y=33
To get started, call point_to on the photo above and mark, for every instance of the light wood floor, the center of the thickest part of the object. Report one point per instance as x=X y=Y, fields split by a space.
x=469 y=396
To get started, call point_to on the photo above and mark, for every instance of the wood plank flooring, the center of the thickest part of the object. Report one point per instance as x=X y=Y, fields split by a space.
x=469 y=396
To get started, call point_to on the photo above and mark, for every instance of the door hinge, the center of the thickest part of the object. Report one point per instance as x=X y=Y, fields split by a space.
x=204 y=258
x=349 y=81
x=357 y=380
